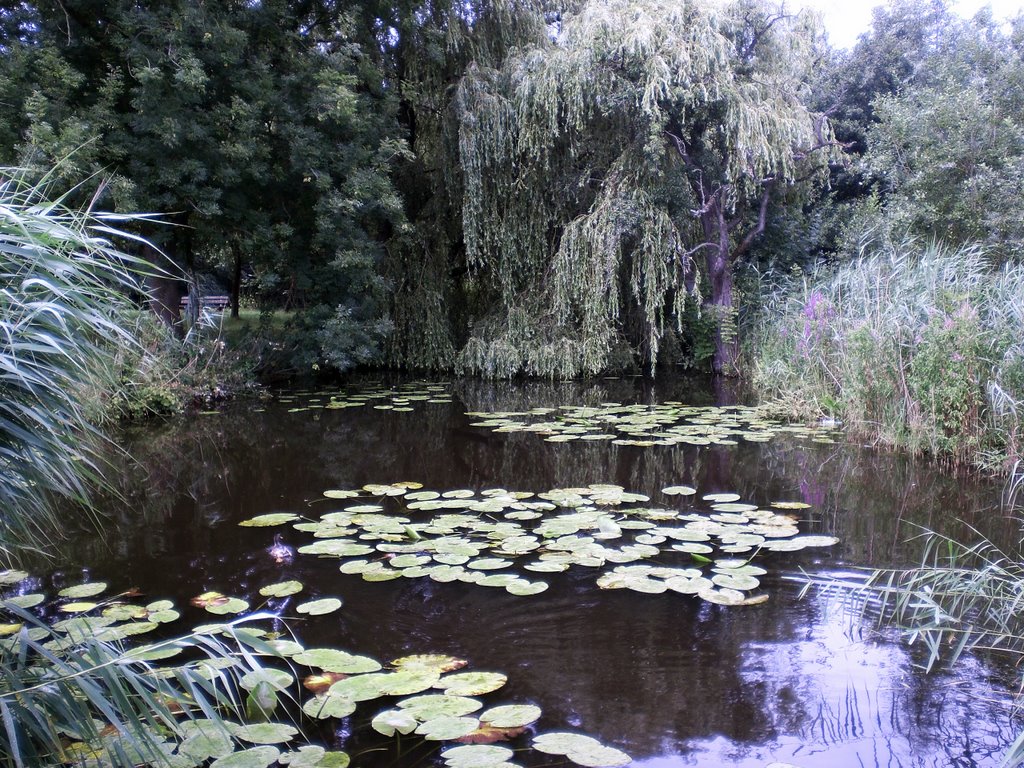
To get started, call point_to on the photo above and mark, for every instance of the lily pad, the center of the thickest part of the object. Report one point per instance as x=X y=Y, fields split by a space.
x=476 y=756
x=306 y=757
x=281 y=589
x=432 y=662
x=582 y=750
x=12 y=577
x=277 y=679
x=319 y=607
x=471 y=683
x=394 y=721
x=446 y=728
x=435 y=705
x=329 y=705
x=257 y=757
x=331 y=660
x=522 y=587
x=511 y=716
x=77 y=607
x=25 y=601
x=90 y=589
x=679 y=490
x=265 y=521
x=265 y=733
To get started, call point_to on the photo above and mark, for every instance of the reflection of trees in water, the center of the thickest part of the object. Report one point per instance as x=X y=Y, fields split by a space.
x=650 y=673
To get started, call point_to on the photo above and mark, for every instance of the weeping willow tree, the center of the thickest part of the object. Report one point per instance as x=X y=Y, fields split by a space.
x=617 y=165
x=424 y=49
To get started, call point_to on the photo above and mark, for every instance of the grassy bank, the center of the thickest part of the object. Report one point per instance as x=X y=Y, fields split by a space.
x=912 y=346
x=219 y=357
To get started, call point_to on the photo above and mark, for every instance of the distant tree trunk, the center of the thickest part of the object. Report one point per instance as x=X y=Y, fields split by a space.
x=236 y=282
x=165 y=294
x=720 y=257
x=164 y=291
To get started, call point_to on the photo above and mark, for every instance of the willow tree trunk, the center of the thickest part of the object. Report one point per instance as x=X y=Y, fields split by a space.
x=727 y=343
x=718 y=260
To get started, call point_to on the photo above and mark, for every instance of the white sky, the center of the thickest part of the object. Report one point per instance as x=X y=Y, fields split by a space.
x=846 y=20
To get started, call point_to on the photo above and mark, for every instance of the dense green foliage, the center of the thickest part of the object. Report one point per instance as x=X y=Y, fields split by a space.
x=258 y=129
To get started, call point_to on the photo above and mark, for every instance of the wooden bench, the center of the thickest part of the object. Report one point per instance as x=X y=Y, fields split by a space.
x=217 y=303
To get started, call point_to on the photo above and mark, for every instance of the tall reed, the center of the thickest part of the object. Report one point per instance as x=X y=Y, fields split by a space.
x=911 y=345
x=63 y=292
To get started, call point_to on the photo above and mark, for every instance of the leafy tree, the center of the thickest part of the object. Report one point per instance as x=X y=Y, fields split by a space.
x=948 y=151
x=259 y=129
x=602 y=163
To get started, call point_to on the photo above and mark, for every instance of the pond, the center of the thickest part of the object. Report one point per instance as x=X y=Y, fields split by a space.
x=670 y=678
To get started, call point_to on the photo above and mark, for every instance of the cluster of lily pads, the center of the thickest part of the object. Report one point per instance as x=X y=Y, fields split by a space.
x=429 y=695
x=401 y=398
x=668 y=423
x=504 y=539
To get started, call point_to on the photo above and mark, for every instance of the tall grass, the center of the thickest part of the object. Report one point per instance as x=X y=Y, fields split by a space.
x=63 y=288
x=911 y=345
x=67 y=696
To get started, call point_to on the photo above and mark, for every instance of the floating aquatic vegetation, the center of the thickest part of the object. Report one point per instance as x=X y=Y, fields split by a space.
x=427 y=695
x=401 y=399
x=669 y=423
x=497 y=538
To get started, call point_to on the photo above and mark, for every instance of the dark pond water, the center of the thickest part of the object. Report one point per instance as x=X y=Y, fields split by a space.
x=670 y=679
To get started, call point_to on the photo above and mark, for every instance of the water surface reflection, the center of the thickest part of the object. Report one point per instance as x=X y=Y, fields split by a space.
x=670 y=679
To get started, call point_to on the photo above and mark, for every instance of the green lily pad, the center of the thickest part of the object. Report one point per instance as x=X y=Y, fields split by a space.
x=281 y=589
x=393 y=721
x=329 y=705
x=306 y=757
x=737 y=581
x=230 y=606
x=265 y=733
x=435 y=705
x=257 y=757
x=207 y=743
x=447 y=728
x=277 y=679
x=319 y=607
x=90 y=589
x=10 y=576
x=405 y=682
x=721 y=497
x=679 y=490
x=489 y=563
x=338 y=494
x=476 y=756
x=523 y=588
x=265 y=521
x=25 y=601
x=511 y=716
x=331 y=660
x=362 y=687
x=334 y=760
x=471 y=683
x=431 y=662
x=81 y=607
x=582 y=750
